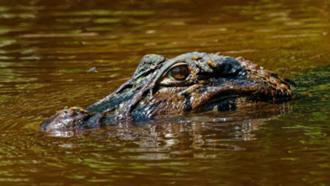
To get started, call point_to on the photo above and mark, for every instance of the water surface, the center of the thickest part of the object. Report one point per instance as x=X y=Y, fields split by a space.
x=47 y=48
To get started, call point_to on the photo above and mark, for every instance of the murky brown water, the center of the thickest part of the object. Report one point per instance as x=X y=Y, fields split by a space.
x=47 y=47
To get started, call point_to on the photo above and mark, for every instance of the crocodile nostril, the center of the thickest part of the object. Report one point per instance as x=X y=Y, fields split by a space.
x=67 y=119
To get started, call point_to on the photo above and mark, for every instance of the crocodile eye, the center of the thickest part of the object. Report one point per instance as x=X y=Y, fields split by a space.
x=179 y=72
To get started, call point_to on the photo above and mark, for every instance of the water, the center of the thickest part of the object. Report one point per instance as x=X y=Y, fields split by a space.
x=47 y=48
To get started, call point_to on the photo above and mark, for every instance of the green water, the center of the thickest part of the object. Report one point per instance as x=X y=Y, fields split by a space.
x=47 y=48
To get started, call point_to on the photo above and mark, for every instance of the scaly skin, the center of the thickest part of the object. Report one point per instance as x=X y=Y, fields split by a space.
x=191 y=82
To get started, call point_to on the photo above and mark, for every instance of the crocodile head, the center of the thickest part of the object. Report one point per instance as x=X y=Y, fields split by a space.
x=191 y=82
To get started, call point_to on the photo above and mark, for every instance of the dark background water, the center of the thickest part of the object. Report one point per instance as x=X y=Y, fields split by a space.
x=47 y=47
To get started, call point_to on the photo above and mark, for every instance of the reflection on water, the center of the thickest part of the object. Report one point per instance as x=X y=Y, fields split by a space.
x=47 y=49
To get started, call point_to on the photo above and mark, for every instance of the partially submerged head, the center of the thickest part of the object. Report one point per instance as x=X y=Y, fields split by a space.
x=190 y=82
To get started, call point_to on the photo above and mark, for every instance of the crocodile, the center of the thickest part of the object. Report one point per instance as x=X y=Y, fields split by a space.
x=188 y=83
